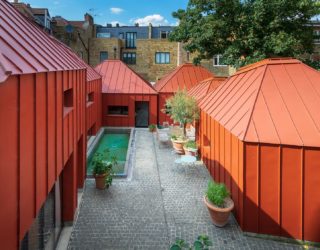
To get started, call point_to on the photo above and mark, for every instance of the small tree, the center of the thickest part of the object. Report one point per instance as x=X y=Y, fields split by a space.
x=182 y=108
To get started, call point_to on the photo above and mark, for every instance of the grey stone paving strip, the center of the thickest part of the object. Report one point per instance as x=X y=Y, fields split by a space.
x=162 y=201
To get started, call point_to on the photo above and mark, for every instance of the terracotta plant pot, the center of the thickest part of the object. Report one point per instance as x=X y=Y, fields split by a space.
x=190 y=151
x=178 y=146
x=100 y=181
x=152 y=130
x=219 y=216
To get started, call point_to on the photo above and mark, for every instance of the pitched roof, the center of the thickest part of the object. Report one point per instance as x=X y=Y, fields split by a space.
x=184 y=76
x=26 y=49
x=206 y=86
x=92 y=74
x=274 y=101
x=117 y=77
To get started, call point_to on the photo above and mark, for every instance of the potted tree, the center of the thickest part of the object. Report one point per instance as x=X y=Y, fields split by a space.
x=219 y=203
x=183 y=109
x=191 y=148
x=101 y=170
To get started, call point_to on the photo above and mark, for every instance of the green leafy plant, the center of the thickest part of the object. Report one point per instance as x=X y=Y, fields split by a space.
x=101 y=166
x=182 y=108
x=174 y=137
x=201 y=243
x=191 y=144
x=217 y=193
x=152 y=127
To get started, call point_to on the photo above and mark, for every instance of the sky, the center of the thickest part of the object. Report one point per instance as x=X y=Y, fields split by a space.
x=124 y=12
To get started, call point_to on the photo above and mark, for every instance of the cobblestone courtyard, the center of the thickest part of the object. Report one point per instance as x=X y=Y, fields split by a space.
x=162 y=201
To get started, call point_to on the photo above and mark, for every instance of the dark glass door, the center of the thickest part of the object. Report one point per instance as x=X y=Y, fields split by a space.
x=142 y=114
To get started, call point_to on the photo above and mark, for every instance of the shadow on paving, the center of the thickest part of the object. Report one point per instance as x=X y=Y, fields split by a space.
x=161 y=202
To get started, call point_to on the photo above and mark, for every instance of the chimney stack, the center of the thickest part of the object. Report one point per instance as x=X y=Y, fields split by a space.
x=150 y=31
x=16 y=1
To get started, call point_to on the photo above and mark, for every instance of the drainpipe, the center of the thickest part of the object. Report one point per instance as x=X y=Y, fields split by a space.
x=79 y=35
x=179 y=54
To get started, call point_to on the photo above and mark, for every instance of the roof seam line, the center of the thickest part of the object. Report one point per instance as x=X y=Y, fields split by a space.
x=255 y=101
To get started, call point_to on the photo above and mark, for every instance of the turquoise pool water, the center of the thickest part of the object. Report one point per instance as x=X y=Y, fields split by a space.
x=117 y=145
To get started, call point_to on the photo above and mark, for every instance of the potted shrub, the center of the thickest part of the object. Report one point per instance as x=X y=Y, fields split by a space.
x=101 y=170
x=178 y=142
x=219 y=203
x=152 y=128
x=183 y=109
x=191 y=148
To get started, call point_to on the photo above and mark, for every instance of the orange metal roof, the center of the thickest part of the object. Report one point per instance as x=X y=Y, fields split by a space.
x=26 y=49
x=206 y=86
x=117 y=77
x=184 y=76
x=91 y=73
x=274 y=101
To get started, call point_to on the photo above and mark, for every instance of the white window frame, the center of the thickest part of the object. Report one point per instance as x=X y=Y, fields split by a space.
x=218 y=57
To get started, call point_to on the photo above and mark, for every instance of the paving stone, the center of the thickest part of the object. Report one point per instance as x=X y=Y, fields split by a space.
x=162 y=202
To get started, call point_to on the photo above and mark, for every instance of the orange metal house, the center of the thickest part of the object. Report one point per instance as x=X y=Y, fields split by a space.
x=93 y=96
x=200 y=90
x=204 y=87
x=42 y=130
x=127 y=99
x=183 y=77
x=260 y=135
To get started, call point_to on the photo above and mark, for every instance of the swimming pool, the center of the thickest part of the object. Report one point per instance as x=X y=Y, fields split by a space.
x=111 y=142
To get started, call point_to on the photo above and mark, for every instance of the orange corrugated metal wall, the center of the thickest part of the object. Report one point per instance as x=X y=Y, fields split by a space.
x=221 y=153
x=39 y=141
x=93 y=113
x=162 y=97
x=281 y=196
x=127 y=100
x=273 y=187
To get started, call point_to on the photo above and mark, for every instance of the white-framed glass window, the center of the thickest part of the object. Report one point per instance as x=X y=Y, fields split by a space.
x=218 y=61
x=162 y=57
x=104 y=35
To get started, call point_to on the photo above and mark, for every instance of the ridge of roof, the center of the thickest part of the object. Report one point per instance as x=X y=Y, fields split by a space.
x=274 y=102
x=107 y=71
x=267 y=61
x=27 y=49
x=160 y=85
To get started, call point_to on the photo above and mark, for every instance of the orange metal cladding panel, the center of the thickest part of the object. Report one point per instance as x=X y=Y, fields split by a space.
x=235 y=174
x=59 y=109
x=251 y=202
x=217 y=168
x=311 y=204
x=207 y=149
x=27 y=153
x=227 y=159
x=65 y=139
x=51 y=130
x=125 y=102
x=132 y=111
x=212 y=160
x=222 y=153
x=291 y=196
x=241 y=182
x=153 y=109
x=41 y=140
x=201 y=145
x=9 y=163
x=269 y=216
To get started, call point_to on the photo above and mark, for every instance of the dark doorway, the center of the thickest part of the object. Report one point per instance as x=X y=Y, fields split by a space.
x=142 y=114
